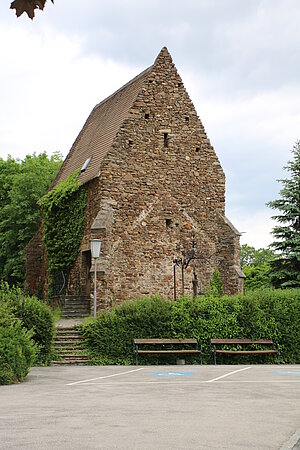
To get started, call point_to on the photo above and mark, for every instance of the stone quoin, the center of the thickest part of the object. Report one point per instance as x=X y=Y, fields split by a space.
x=153 y=181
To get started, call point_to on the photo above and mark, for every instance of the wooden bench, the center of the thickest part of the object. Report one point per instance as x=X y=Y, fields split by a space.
x=165 y=347
x=246 y=343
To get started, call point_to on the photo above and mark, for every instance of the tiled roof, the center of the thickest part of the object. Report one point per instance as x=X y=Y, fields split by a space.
x=99 y=131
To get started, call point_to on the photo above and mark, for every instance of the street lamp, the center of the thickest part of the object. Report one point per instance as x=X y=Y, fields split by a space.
x=95 y=251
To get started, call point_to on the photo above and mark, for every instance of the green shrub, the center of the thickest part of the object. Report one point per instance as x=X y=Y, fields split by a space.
x=35 y=316
x=110 y=336
x=259 y=314
x=216 y=285
x=17 y=353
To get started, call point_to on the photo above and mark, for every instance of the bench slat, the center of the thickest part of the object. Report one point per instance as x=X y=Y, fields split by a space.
x=241 y=341
x=246 y=352
x=168 y=352
x=165 y=341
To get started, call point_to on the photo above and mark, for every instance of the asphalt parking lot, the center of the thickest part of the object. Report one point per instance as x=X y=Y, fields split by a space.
x=153 y=407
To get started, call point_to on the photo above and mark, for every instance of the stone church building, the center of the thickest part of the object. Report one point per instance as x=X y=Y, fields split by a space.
x=155 y=189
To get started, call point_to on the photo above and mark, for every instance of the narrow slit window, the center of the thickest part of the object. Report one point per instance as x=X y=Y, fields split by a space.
x=130 y=142
x=187 y=119
x=168 y=223
x=147 y=116
x=166 y=140
x=197 y=149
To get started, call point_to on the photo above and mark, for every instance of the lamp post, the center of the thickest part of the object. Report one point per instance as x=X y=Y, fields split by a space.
x=95 y=251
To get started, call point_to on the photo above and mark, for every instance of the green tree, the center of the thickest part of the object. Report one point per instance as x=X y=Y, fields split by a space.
x=286 y=268
x=250 y=256
x=22 y=183
x=256 y=265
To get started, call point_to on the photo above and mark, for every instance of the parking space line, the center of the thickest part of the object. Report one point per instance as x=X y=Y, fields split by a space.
x=227 y=374
x=187 y=383
x=106 y=376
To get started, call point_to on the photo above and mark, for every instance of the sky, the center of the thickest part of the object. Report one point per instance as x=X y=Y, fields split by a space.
x=239 y=61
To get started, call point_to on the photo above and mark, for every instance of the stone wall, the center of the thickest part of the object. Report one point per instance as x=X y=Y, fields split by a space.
x=36 y=266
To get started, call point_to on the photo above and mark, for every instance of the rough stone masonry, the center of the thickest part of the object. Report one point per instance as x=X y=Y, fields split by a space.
x=153 y=180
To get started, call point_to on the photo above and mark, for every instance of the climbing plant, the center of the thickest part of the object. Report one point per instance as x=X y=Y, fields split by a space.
x=63 y=211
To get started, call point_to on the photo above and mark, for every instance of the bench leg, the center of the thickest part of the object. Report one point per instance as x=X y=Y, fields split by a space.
x=215 y=356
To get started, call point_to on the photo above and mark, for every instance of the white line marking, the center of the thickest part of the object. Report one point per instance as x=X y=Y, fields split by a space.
x=227 y=374
x=187 y=383
x=292 y=442
x=106 y=376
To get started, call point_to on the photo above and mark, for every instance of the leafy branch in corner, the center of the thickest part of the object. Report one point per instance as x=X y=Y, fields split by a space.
x=27 y=6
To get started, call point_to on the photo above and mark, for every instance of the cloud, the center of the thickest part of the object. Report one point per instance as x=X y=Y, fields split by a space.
x=51 y=89
x=255 y=228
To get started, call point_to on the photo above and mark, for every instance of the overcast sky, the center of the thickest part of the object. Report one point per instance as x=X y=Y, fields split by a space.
x=239 y=61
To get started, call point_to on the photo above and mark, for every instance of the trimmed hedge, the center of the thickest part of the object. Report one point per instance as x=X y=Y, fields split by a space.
x=17 y=353
x=273 y=314
x=35 y=317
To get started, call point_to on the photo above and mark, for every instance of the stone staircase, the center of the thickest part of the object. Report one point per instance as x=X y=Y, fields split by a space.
x=75 y=306
x=68 y=347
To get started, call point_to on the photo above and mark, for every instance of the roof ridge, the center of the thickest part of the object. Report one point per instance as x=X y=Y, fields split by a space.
x=124 y=86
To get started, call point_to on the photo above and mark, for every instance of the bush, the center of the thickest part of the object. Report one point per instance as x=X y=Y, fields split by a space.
x=272 y=314
x=109 y=337
x=17 y=353
x=35 y=316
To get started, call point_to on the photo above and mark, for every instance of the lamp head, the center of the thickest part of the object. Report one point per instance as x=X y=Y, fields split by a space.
x=95 y=247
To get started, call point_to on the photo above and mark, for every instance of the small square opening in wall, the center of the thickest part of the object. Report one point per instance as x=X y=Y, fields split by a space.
x=147 y=115
x=168 y=223
x=166 y=139
x=197 y=149
x=187 y=119
x=130 y=142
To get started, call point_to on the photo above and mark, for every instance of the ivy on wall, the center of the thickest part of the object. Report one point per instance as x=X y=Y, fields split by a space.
x=63 y=210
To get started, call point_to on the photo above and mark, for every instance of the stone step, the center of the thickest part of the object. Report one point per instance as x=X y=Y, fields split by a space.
x=68 y=328
x=76 y=302
x=63 y=330
x=75 y=307
x=62 y=335
x=69 y=347
x=74 y=313
x=72 y=356
x=67 y=341
x=75 y=362
x=67 y=338
x=66 y=350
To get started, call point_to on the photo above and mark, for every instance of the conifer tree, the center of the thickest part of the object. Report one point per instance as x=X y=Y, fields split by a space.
x=286 y=268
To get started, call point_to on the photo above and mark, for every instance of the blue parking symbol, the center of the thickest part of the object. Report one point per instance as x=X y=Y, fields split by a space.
x=285 y=373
